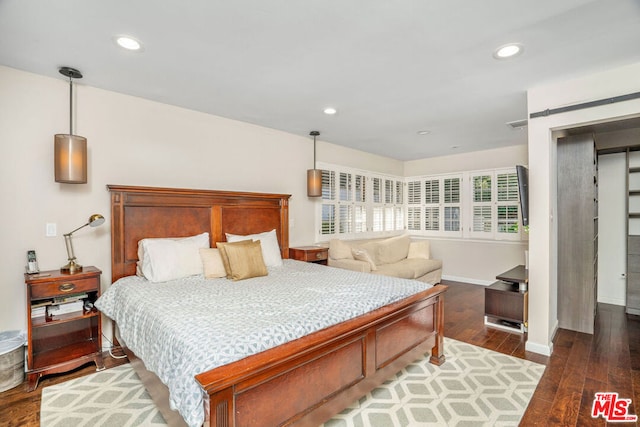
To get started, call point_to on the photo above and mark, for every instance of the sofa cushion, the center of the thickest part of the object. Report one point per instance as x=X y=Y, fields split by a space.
x=392 y=250
x=395 y=270
x=409 y=268
x=339 y=249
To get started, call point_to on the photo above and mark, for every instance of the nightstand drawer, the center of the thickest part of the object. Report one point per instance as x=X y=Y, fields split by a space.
x=63 y=287
x=315 y=255
x=310 y=254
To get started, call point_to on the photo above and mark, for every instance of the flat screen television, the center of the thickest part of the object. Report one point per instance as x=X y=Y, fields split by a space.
x=523 y=191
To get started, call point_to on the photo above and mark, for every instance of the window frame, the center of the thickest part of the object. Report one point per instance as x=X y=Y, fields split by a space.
x=415 y=197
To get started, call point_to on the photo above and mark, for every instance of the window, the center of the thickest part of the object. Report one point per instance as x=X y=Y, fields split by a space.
x=328 y=207
x=378 y=207
x=414 y=209
x=360 y=208
x=494 y=204
x=452 y=204
x=433 y=205
x=507 y=202
x=356 y=202
x=474 y=204
x=481 y=192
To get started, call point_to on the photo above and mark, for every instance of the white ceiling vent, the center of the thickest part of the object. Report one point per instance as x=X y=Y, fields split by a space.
x=517 y=124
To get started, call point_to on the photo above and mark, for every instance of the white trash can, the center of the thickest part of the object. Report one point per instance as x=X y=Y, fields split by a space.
x=11 y=359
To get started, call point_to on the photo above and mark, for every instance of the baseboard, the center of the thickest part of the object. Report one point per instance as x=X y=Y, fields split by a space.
x=468 y=280
x=612 y=301
x=545 y=350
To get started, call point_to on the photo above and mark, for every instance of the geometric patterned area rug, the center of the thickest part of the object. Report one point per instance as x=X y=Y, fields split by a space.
x=474 y=387
x=111 y=398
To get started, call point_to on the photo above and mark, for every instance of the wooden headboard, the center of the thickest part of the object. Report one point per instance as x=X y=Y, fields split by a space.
x=140 y=212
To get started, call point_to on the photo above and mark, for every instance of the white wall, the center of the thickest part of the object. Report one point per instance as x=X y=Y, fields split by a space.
x=477 y=160
x=543 y=317
x=131 y=141
x=612 y=228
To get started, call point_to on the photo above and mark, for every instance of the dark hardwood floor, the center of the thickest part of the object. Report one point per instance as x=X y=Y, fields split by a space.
x=581 y=364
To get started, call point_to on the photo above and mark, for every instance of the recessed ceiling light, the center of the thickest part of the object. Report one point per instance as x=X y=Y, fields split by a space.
x=424 y=132
x=330 y=111
x=128 y=43
x=508 y=51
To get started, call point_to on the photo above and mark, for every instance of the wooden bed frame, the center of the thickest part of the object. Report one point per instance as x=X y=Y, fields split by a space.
x=303 y=382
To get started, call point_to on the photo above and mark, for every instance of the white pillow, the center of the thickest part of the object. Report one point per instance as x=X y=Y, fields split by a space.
x=212 y=263
x=268 y=242
x=172 y=258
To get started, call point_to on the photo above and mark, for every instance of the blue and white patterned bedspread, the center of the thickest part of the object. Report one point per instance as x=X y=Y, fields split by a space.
x=184 y=327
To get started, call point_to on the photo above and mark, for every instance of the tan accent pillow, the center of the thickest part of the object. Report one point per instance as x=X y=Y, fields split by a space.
x=212 y=263
x=339 y=249
x=393 y=249
x=420 y=249
x=246 y=261
x=363 y=255
x=223 y=253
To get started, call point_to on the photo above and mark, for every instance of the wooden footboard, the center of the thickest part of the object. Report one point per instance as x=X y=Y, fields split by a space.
x=307 y=381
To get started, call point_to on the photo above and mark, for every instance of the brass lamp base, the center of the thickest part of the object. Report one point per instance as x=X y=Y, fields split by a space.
x=71 y=268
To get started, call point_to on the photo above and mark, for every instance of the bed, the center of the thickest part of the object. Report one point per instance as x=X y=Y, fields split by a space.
x=304 y=381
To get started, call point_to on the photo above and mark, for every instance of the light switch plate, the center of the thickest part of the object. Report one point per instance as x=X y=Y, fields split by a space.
x=51 y=229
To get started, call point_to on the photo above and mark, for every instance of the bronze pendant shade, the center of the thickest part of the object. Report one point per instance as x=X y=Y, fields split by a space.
x=70 y=151
x=70 y=159
x=314 y=176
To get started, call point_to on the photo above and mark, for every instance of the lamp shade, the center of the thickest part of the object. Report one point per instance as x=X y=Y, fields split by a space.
x=70 y=159
x=314 y=182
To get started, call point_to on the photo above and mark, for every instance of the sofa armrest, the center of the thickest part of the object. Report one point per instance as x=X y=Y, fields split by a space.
x=350 y=264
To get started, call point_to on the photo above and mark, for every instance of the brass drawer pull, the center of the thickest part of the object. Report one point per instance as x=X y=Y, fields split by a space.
x=319 y=255
x=66 y=287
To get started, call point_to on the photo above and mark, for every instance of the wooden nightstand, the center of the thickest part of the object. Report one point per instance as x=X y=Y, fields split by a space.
x=64 y=329
x=316 y=254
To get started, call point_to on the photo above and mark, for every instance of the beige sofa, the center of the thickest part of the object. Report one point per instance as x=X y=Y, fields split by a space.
x=395 y=256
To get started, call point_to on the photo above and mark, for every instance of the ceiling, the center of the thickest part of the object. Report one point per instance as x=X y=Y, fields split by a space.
x=390 y=68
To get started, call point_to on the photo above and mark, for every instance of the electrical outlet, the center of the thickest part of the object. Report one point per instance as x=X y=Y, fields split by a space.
x=51 y=229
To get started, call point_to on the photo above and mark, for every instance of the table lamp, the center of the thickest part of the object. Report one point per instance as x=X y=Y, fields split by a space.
x=72 y=267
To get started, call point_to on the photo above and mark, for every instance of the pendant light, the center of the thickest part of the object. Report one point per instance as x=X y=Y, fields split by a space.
x=70 y=151
x=314 y=176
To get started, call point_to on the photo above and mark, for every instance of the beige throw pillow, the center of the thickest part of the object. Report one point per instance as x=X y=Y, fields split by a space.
x=222 y=246
x=363 y=255
x=420 y=249
x=393 y=249
x=246 y=261
x=339 y=249
x=212 y=263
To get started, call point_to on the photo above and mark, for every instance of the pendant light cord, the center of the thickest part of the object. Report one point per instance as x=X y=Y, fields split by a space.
x=314 y=133
x=70 y=106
